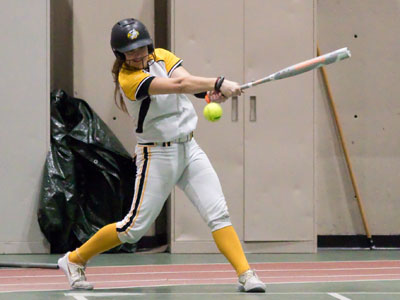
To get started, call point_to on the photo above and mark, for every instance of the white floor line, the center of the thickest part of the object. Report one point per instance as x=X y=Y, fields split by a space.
x=269 y=283
x=214 y=271
x=78 y=297
x=251 y=263
x=111 y=294
x=208 y=284
x=266 y=278
x=338 y=296
x=221 y=271
x=121 y=294
x=254 y=263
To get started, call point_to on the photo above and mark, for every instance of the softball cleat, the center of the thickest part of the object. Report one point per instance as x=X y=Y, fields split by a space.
x=75 y=274
x=250 y=283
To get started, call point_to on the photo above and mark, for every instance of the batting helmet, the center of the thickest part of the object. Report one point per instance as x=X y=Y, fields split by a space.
x=129 y=34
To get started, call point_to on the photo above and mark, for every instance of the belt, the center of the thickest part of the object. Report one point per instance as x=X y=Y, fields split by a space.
x=181 y=140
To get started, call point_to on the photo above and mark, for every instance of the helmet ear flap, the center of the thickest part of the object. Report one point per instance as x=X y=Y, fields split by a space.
x=150 y=48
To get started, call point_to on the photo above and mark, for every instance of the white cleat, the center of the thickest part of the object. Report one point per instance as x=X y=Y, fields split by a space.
x=250 y=283
x=75 y=274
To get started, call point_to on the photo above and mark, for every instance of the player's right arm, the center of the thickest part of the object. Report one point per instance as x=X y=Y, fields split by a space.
x=182 y=82
x=181 y=85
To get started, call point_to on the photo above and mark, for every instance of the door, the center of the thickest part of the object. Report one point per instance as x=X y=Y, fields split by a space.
x=197 y=39
x=278 y=128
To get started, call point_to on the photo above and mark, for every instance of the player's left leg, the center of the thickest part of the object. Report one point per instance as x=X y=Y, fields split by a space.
x=201 y=184
x=104 y=239
x=154 y=181
x=73 y=263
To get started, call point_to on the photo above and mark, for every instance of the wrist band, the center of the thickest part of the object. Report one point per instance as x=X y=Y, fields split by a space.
x=218 y=83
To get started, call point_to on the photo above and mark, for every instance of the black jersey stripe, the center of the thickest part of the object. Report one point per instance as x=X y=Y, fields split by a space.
x=174 y=67
x=144 y=109
x=139 y=95
x=138 y=193
x=143 y=90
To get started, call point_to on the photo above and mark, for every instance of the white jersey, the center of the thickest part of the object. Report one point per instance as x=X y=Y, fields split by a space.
x=158 y=118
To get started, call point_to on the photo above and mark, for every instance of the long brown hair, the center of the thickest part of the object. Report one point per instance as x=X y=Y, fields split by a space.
x=117 y=66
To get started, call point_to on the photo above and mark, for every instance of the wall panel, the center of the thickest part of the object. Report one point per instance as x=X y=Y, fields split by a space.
x=207 y=52
x=365 y=89
x=243 y=153
x=279 y=201
x=24 y=121
x=93 y=57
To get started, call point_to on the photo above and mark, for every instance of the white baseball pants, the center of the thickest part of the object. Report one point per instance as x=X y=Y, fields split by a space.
x=159 y=169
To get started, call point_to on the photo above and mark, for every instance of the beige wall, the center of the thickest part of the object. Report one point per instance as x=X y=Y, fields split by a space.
x=249 y=155
x=93 y=58
x=366 y=93
x=24 y=121
x=364 y=86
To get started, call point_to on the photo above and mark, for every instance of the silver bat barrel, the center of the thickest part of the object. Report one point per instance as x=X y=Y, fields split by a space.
x=303 y=67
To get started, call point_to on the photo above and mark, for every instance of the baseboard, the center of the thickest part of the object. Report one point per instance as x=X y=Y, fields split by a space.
x=201 y=247
x=359 y=241
x=39 y=247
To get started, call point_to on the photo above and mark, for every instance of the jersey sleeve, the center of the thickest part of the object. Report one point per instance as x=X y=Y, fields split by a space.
x=171 y=60
x=134 y=84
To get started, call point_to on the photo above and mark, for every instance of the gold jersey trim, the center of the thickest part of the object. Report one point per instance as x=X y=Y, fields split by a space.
x=131 y=80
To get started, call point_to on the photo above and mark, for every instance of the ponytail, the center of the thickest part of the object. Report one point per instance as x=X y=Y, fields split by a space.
x=119 y=101
x=118 y=63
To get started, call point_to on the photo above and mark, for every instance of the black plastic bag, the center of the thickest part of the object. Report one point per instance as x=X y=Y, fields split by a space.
x=88 y=181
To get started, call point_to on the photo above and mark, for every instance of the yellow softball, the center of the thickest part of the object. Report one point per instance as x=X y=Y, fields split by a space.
x=212 y=111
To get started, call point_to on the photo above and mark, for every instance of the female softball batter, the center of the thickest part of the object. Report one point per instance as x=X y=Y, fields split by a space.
x=152 y=85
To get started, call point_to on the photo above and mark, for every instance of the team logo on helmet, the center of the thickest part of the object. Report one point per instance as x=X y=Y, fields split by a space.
x=133 y=34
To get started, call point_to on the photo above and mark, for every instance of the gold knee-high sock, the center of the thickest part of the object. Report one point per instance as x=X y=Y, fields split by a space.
x=104 y=239
x=229 y=244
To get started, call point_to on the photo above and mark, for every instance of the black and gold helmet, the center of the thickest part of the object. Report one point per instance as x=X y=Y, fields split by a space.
x=129 y=34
